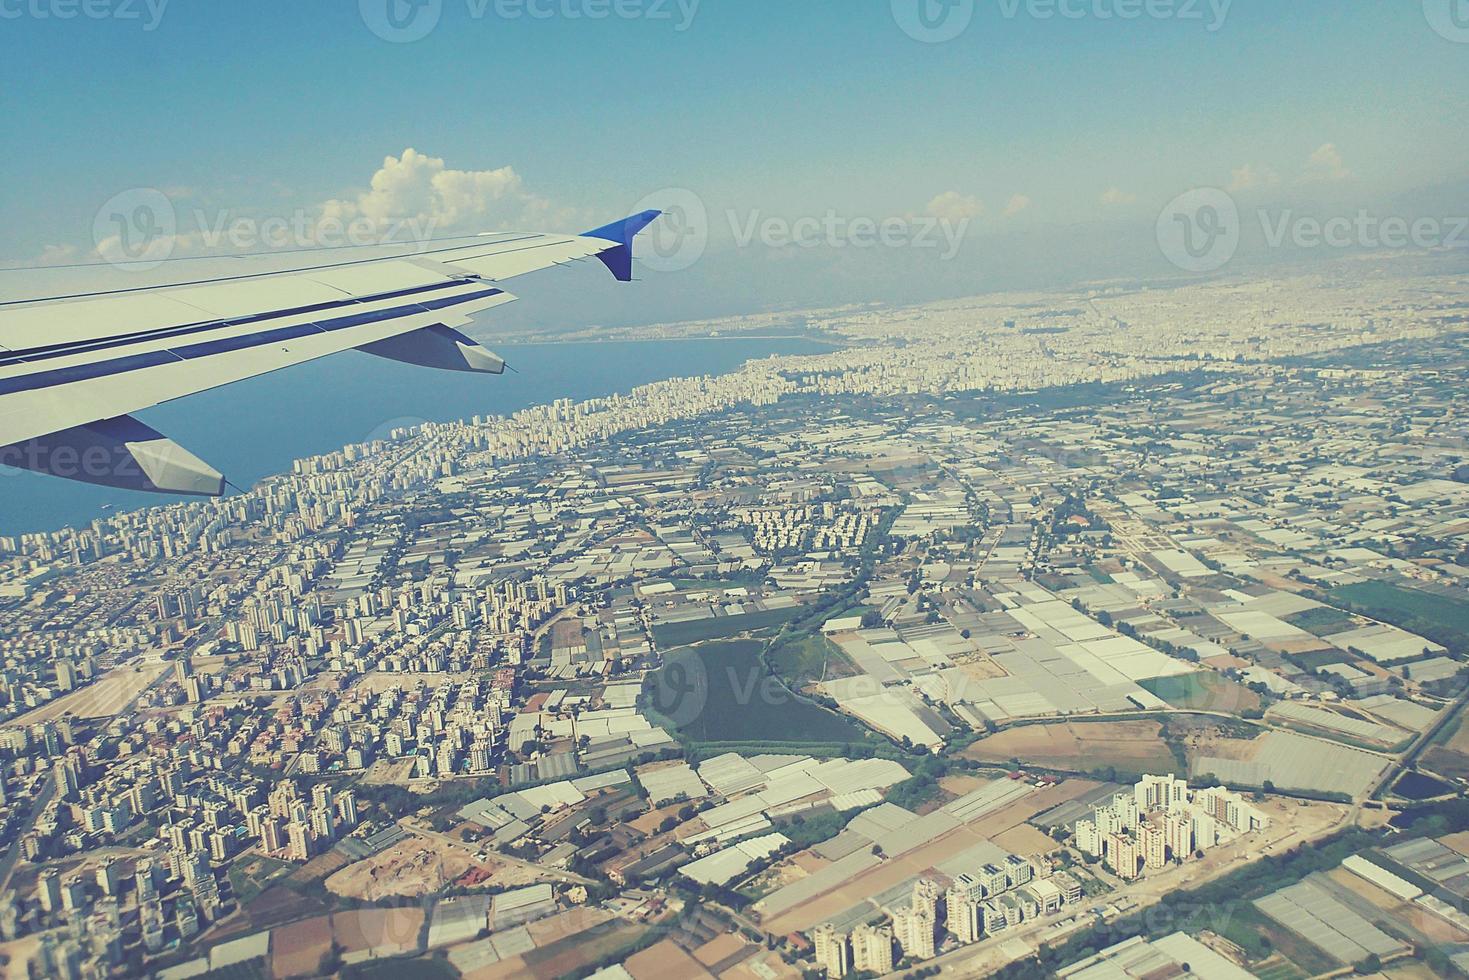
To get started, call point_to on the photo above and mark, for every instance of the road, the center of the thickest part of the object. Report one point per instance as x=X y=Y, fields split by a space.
x=1445 y=716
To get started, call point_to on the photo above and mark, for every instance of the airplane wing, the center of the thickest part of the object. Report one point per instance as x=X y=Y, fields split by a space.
x=75 y=365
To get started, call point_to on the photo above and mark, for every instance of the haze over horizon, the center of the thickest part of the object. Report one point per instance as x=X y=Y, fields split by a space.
x=1036 y=148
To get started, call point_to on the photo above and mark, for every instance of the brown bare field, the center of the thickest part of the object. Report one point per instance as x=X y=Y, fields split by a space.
x=565 y=924
x=297 y=949
x=103 y=698
x=319 y=867
x=410 y=868
x=387 y=932
x=981 y=667
x=1136 y=746
x=719 y=949
x=1026 y=841
x=664 y=960
x=957 y=786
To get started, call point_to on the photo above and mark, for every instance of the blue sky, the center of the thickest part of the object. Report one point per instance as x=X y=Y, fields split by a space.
x=760 y=107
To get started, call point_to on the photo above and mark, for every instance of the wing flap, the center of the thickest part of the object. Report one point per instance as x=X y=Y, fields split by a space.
x=118 y=452
x=62 y=397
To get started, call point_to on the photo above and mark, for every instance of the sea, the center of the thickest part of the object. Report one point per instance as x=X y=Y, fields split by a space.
x=257 y=428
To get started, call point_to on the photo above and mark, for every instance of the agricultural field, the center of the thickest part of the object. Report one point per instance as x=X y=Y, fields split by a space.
x=1128 y=746
x=720 y=627
x=1203 y=691
x=1448 y=753
x=275 y=905
x=809 y=660
x=1321 y=620
x=728 y=695
x=299 y=948
x=581 y=951
x=422 y=968
x=1437 y=617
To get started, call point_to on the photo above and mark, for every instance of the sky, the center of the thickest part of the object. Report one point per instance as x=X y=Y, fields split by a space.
x=811 y=153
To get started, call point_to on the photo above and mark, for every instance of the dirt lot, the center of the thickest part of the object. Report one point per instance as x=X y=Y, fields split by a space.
x=420 y=866
x=103 y=698
x=297 y=949
x=1134 y=746
x=388 y=772
x=410 y=868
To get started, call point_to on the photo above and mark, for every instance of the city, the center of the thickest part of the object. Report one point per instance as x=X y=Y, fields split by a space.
x=845 y=662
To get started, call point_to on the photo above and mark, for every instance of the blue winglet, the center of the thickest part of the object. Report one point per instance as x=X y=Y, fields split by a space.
x=619 y=260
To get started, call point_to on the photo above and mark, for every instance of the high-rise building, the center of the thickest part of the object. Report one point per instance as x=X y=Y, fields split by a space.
x=299 y=836
x=926 y=894
x=347 y=809
x=1122 y=856
x=109 y=876
x=1088 y=838
x=831 y=950
x=1153 y=843
x=872 y=949
x=48 y=890
x=963 y=916
x=914 y=930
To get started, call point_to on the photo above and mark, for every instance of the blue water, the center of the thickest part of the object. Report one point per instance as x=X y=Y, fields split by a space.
x=256 y=428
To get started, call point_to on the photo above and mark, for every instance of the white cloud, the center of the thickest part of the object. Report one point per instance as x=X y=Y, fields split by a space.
x=423 y=189
x=954 y=207
x=1017 y=204
x=408 y=198
x=1114 y=196
x=1326 y=164
x=1250 y=177
x=57 y=255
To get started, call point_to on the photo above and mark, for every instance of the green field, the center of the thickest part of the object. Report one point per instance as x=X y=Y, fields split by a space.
x=1441 y=619
x=721 y=691
x=401 y=968
x=808 y=659
x=1321 y=619
x=719 y=627
x=1202 y=691
x=253 y=875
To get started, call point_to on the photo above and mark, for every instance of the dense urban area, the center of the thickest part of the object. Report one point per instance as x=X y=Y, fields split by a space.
x=1107 y=633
